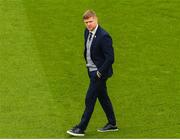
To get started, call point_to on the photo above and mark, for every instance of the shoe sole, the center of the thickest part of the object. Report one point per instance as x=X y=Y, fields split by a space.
x=74 y=134
x=111 y=130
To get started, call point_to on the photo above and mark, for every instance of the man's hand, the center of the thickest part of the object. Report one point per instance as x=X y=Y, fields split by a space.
x=98 y=74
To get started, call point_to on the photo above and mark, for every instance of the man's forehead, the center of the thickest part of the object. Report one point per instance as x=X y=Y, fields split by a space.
x=89 y=19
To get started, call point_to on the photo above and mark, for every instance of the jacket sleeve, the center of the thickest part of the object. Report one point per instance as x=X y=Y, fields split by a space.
x=108 y=52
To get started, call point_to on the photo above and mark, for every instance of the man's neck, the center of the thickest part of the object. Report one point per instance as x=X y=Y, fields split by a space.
x=94 y=30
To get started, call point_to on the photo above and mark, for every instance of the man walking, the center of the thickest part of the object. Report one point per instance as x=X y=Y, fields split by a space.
x=99 y=56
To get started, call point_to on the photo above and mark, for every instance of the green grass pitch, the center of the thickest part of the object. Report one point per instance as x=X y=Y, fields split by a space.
x=43 y=78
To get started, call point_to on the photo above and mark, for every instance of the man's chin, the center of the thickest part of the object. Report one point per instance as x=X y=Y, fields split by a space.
x=90 y=29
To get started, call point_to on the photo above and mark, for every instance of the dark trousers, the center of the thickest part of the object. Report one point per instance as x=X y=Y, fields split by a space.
x=97 y=89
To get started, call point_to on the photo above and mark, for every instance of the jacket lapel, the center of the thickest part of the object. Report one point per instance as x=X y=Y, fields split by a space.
x=86 y=36
x=94 y=40
x=95 y=37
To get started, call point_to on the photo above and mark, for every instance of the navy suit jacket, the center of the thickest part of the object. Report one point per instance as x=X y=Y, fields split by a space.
x=102 y=53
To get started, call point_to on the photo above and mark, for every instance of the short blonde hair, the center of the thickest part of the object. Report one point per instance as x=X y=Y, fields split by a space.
x=88 y=14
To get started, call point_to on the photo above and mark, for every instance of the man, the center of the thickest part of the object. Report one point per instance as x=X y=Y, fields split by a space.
x=99 y=56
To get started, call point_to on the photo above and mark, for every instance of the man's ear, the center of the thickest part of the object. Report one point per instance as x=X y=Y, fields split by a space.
x=96 y=18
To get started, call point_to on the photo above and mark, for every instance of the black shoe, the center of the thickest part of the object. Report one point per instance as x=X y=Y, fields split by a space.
x=76 y=132
x=108 y=127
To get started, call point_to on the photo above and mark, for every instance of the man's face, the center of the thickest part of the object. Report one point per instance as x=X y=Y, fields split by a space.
x=91 y=23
